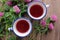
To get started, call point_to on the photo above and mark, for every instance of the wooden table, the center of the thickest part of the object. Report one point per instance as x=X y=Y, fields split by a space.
x=54 y=34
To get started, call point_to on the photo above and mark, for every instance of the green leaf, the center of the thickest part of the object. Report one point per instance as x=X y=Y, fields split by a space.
x=15 y=0
x=1 y=35
x=48 y=20
x=11 y=10
x=37 y=26
x=1 y=29
x=3 y=1
x=20 y=15
x=1 y=9
x=23 y=11
x=7 y=33
x=19 y=5
x=30 y=39
x=12 y=38
x=44 y=30
x=7 y=14
x=6 y=7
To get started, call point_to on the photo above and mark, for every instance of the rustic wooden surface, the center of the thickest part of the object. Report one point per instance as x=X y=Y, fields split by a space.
x=53 y=9
x=54 y=34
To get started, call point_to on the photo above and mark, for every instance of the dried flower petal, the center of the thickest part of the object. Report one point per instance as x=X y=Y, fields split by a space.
x=16 y=9
x=43 y=22
x=1 y=14
x=9 y=3
x=53 y=17
x=51 y=26
x=28 y=0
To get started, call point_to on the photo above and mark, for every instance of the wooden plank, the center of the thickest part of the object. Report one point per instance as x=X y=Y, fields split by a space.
x=53 y=9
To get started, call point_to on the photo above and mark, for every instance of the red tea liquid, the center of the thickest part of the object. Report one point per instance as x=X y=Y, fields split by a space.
x=36 y=10
x=22 y=26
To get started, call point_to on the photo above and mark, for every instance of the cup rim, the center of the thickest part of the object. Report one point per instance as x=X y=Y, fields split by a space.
x=42 y=14
x=29 y=24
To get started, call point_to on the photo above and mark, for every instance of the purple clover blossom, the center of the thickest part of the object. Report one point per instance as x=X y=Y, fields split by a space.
x=9 y=3
x=36 y=0
x=28 y=0
x=1 y=14
x=51 y=26
x=16 y=9
x=53 y=18
x=43 y=23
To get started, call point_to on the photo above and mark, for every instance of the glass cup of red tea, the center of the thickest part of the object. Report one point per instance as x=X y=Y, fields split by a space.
x=21 y=27
x=37 y=10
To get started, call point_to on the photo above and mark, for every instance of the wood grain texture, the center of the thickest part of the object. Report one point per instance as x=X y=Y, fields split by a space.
x=53 y=9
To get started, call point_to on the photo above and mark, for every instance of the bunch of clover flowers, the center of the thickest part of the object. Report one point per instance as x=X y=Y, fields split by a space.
x=44 y=26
